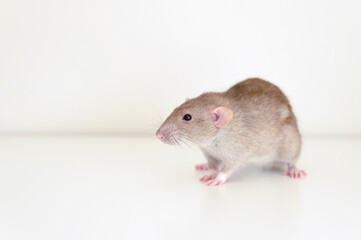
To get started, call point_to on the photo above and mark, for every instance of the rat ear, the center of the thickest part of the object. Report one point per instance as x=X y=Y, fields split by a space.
x=221 y=116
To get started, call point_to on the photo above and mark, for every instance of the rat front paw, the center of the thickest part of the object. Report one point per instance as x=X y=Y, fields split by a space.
x=206 y=178
x=202 y=167
x=295 y=173
x=215 y=179
x=215 y=182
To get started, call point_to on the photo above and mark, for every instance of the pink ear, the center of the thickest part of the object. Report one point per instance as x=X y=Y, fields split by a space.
x=221 y=116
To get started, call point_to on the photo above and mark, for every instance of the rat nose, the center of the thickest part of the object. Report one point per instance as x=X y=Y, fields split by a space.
x=160 y=136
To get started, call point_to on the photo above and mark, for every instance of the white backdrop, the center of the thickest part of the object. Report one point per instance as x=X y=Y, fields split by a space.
x=116 y=66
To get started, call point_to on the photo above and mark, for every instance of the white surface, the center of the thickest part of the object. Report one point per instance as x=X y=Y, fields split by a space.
x=138 y=188
x=105 y=66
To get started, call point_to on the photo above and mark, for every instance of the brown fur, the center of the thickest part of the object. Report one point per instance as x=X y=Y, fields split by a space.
x=263 y=126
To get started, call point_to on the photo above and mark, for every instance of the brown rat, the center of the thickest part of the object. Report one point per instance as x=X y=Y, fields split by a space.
x=252 y=120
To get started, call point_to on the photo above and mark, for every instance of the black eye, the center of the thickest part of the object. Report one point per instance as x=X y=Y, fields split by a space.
x=187 y=117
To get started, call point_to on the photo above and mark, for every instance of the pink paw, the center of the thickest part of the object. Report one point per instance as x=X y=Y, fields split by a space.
x=207 y=178
x=202 y=167
x=215 y=179
x=295 y=173
x=215 y=182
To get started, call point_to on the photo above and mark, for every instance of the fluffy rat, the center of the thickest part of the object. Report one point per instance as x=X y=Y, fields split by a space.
x=251 y=120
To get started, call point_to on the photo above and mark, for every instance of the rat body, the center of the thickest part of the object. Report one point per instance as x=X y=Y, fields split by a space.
x=252 y=120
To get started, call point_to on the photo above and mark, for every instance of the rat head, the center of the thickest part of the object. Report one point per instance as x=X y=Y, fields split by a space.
x=197 y=120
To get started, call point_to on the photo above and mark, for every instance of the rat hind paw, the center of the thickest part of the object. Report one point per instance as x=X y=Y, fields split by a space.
x=295 y=173
x=202 y=167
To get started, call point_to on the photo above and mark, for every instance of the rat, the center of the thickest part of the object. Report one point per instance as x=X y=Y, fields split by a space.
x=251 y=120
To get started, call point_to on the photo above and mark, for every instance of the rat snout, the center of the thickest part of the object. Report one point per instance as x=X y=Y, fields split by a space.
x=159 y=136
x=164 y=135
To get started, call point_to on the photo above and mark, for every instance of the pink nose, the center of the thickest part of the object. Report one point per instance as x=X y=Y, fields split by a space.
x=160 y=136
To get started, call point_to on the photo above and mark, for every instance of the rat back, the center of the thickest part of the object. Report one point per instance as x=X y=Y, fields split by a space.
x=264 y=126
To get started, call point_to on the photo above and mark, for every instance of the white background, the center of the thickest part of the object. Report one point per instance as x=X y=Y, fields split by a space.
x=116 y=66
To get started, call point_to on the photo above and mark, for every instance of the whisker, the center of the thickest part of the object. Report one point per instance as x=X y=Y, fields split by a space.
x=184 y=137
x=184 y=142
x=173 y=140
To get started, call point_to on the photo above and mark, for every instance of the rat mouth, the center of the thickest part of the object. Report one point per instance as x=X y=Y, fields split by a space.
x=171 y=138
x=171 y=141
